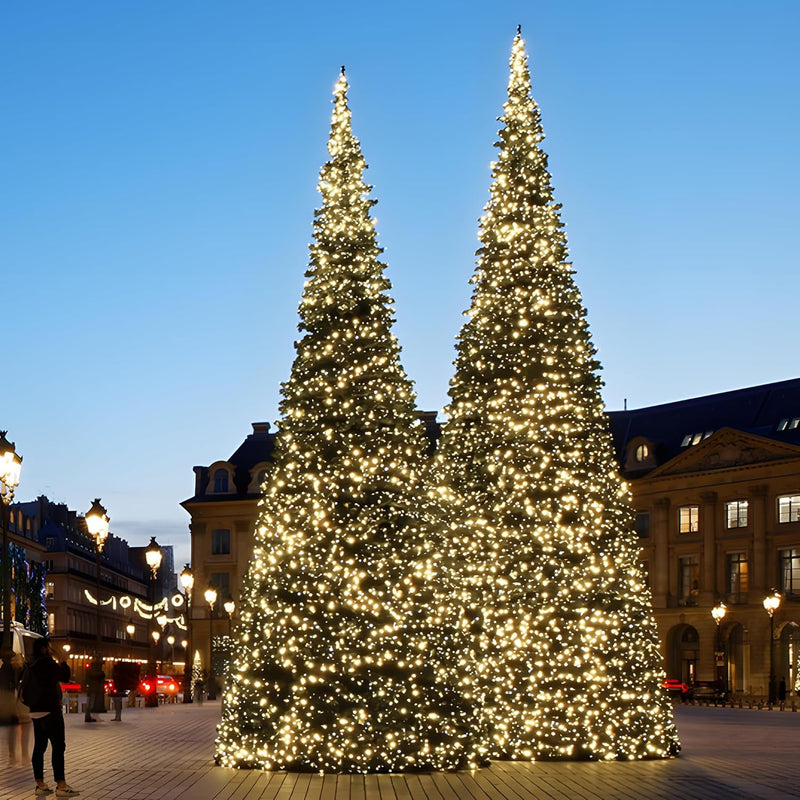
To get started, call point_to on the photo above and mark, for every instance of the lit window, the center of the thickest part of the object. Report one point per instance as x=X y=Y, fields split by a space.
x=221 y=480
x=50 y=590
x=689 y=580
x=642 y=452
x=789 y=424
x=695 y=438
x=689 y=519
x=220 y=542
x=738 y=577
x=789 y=571
x=789 y=508
x=736 y=513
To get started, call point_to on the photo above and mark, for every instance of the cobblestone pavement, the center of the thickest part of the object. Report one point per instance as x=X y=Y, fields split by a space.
x=167 y=754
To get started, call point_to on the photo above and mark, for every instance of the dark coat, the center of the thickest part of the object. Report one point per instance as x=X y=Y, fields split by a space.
x=49 y=675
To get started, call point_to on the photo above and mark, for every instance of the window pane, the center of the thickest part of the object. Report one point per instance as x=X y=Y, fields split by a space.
x=790 y=571
x=689 y=580
x=789 y=508
x=221 y=480
x=221 y=581
x=643 y=524
x=689 y=519
x=738 y=577
x=736 y=513
x=220 y=542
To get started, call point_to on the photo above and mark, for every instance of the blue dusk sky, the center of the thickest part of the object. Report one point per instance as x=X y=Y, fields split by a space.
x=159 y=169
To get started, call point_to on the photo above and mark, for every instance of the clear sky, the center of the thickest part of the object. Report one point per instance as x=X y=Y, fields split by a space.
x=159 y=167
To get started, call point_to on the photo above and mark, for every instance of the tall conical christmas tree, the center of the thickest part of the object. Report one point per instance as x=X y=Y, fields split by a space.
x=543 y=541
x=345 y=661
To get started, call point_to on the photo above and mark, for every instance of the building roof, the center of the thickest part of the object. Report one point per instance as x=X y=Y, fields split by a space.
x=771 y=410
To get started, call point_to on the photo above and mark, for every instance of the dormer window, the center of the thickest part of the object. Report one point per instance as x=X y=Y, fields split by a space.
x=642 y=453
x=258 y=474
x=221 y=478
x=692 y=439
x=789 y=424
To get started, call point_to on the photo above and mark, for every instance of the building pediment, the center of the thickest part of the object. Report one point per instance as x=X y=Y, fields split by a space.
x=727 y=448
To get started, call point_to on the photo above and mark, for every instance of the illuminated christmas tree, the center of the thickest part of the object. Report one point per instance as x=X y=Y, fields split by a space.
x=346 y=659
x=542 y=540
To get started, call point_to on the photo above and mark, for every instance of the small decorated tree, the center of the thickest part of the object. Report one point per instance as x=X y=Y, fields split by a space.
x=346 y=659
x=542 y=541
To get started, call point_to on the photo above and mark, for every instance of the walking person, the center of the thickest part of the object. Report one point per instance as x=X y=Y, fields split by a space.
x=48 y=721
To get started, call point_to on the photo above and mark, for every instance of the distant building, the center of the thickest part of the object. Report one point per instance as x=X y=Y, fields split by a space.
x=68 y=555
x=224 y=510
x=716 y=487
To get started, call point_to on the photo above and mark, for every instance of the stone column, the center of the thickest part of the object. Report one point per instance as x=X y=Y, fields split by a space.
x=708 y=517
x=660 y=567
x=757 y=517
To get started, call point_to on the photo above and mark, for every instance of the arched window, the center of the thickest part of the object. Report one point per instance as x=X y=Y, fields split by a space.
x=220 y=480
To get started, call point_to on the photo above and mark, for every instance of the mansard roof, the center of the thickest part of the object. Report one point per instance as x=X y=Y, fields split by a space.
x=771 y=411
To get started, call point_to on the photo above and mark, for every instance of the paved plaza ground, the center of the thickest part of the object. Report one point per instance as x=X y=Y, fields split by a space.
x=167 y=754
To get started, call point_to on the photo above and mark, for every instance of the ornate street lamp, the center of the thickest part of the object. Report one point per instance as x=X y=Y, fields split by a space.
x=718 y=613
x=771 y=604
x=96 y=519
x=153 y=557
x=187 y=581
x=210 y=595
x=10 y=466
x=229 y=606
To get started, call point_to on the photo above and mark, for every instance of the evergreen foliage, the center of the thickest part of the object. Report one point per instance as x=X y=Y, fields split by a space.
x=346 y=659
x=541 y=537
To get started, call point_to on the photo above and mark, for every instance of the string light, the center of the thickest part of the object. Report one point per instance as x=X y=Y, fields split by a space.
x=539 y=527
x=347 y=657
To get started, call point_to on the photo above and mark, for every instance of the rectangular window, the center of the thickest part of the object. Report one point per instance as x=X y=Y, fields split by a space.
x=789 y=508
x=221 y=581
x=689 y=519
x=50 y=542
x=220 y=542
x=789 y=571
x=688 y=580
x=50 y=590
x=736 y=514
x=738 y=577
x=643 y=524
x=51 y=622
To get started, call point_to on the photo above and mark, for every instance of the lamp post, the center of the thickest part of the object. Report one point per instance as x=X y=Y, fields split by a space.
x=211 y=598
x=187 y=581
x=96 y=519
x=153 y=558
x=130 y=629
x=171 y=643
x=10 y=465
x=718 y=613
x=229 y=606
x=771 y=604
x=156 y=638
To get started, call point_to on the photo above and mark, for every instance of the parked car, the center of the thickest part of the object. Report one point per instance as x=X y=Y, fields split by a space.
x=166 y=686
x=675 y=686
